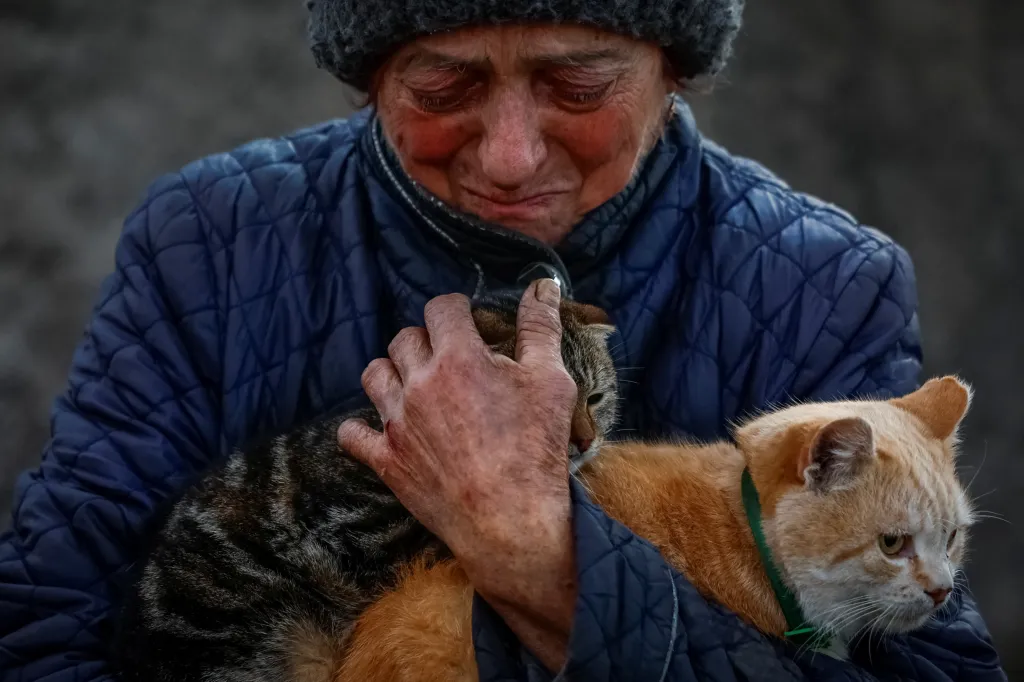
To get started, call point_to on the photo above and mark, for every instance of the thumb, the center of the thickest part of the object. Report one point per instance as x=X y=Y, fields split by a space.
x=539 y=325
x=368 y=446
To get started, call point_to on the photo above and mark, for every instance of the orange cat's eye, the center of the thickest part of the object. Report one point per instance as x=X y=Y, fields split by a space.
x=891 y=544
x=952 y=537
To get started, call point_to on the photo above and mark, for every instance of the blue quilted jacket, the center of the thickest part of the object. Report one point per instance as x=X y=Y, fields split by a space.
x=253 y=287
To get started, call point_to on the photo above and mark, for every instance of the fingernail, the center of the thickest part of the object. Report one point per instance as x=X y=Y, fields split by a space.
x=548 y=292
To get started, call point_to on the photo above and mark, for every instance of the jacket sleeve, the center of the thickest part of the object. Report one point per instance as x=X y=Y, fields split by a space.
x=869 y=343
x=638 y=620
x=135 y=421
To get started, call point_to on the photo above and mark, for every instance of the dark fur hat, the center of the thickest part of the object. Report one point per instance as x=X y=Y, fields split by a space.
x=351 y=38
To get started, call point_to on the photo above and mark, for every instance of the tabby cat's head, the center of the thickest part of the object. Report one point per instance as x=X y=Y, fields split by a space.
x=862 y=507
x=585 y=330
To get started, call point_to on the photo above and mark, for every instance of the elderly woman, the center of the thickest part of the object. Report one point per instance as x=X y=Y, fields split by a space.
x=507 y=142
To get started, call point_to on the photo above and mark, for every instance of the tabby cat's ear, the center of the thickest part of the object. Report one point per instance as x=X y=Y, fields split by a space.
x=584 y=313
x=837 y=454
x=941 y=404
x=495 y=326
x=602 y=331
x=590 y=316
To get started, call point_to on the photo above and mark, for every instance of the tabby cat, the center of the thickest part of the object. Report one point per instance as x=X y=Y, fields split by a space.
x=861 y=511
x=262 y=567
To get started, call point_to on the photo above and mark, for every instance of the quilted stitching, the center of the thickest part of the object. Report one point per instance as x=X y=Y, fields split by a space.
x=251 y=288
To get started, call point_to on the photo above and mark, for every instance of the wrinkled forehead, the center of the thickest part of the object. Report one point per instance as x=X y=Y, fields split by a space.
x=504 y=48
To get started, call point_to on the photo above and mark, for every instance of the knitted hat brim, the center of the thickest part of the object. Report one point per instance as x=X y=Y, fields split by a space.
x=352 y=38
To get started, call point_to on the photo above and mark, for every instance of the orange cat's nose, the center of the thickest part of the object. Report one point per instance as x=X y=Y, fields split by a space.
x=583 y=444
x=938 y=595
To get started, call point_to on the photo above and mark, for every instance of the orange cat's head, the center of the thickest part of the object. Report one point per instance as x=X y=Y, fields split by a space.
x=862 y=507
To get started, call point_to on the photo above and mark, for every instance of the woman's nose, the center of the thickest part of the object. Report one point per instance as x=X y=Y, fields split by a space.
x=512 y=150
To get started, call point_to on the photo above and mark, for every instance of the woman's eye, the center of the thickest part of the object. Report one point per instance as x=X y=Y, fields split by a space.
x=435 y=103
x=578 y=93
x=447 y=99
x=439 y=103
x=595 y=398
x=577 y=96
x=891 y=545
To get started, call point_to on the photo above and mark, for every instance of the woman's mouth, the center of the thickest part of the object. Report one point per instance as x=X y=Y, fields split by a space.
x=515 y=208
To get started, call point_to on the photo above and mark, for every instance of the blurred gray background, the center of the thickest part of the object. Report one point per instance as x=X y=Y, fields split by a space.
x=910 y=114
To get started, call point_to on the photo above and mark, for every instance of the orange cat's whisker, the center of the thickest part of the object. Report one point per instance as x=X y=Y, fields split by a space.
x=869 y=628
x=984 y=456
x=983 y=495
x=849 y=612
x=994 y=516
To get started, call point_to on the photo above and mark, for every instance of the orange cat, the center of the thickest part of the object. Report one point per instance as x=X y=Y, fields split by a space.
x=859 y=501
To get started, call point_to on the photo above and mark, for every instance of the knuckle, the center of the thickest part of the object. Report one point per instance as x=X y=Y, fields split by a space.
x=406 y=337
x=440 y=303
x=432 y=307
x=448 y=373
x=450 y=362
x=456 y=356
x=373 y=373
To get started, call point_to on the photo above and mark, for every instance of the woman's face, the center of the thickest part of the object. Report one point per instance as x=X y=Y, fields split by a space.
x=529 y=127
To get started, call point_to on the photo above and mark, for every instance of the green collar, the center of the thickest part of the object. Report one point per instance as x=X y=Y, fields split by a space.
x=799 y=632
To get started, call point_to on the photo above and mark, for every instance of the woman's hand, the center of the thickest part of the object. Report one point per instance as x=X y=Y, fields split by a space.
x=475 y=447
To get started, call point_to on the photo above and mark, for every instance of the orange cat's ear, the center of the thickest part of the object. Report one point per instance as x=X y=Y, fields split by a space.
x=940 y=405
x=837 y=454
